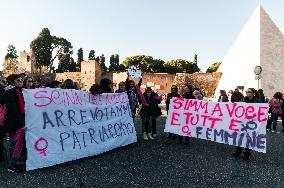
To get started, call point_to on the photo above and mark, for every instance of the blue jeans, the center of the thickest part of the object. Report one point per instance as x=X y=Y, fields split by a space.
x=9 y=146
x=273 y=121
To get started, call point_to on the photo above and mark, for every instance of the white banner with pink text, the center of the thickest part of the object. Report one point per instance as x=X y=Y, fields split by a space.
x=65 y=125
x=237 y=124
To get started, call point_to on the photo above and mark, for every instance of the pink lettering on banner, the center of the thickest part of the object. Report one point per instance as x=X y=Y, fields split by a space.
x=38 y=146
x=233 y=125
x=114 y=99
x=240 y=111
x=217 y=108
x=250 y=112
x=174 y=120
x=261 y=113
x=231 y=111
x=186 y=131
x=42 y=95
x=178 y=103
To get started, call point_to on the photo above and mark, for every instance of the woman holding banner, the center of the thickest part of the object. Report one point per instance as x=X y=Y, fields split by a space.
x=188 y=94
x=249 y=98
x=15 y=123
x=174 y=93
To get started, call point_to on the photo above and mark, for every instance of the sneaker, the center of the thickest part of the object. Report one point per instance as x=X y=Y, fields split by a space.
x=154 y=135
x=277 y=132
x=150 y=136
x=273 y=131
x=145 y=136
x=14 y=168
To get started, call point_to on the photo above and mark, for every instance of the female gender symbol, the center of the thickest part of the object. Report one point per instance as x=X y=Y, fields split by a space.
x=186 y=130
x=41 y=150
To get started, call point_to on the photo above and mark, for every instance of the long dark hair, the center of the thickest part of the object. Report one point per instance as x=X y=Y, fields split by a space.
x=104 y=84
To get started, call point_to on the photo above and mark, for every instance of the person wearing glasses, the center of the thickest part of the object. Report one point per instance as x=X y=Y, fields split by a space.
x=15 y=118
x=172 y=94
x=249 y=98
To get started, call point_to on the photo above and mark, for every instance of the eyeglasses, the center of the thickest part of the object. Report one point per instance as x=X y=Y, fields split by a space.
x=30 y=80
x=4 y=81
x=248 y=91
x=173 y=88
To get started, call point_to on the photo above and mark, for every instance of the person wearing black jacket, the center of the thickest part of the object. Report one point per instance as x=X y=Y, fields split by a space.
x=147 y=112
x=250 y=98
x=174 y=93
x=2 y=130
x=158 y=112
x=188 y=94
x=15 y=118
x=237 y=96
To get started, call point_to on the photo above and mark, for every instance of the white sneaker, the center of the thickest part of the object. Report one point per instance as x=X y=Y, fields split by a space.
x=154 y=135
x=150 y=136
x=273 y=131
x=278 y=132
x=145 y=136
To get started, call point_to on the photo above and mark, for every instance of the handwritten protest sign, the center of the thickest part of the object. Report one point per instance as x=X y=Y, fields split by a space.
x=64 y=125
x=238 y=124
x=134 y=72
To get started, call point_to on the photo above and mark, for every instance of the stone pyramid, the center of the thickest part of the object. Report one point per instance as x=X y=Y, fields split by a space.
x=260 y=43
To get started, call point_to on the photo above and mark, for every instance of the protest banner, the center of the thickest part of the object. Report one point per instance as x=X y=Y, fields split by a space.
x=64 y=125
x=134 y=72
x=238 y=124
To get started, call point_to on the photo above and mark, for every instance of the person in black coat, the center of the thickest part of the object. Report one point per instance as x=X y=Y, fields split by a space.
x=250 y=98
x=15 y=118
x=188 y=94
x=2 y=130
x=172 y=94
x=147 y=112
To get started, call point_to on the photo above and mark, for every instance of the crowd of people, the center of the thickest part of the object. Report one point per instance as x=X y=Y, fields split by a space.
x=146 y=104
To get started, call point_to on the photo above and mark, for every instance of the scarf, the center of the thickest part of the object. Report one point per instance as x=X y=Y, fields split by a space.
x=19 y=143
x=21 y=101
x=141 y=96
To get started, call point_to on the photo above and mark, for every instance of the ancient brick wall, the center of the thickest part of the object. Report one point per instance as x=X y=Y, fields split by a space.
x=206 y=82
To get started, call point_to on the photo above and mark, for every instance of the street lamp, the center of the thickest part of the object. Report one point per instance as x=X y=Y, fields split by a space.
x=257 y=72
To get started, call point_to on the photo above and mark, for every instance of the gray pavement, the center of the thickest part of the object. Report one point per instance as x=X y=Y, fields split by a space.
x=162 y=163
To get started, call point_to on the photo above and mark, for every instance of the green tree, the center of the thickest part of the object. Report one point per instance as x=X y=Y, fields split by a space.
x=11 y=52
x=72 y=65
x=63 y=64
x=180 y=65
x=195 y=59
x=102 y=61
x=142 y=61
x=121 y=68
x=214 y=67
x=92 y=55
x=80 y=59
x=45 y=44
x=157 y=66
x=114 y=63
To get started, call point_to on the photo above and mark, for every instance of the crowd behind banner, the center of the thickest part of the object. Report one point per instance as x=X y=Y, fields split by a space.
x=144 y=103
